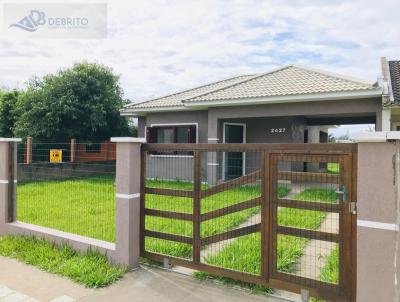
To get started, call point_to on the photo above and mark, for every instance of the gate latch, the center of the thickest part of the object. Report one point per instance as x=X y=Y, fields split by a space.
x=343 y=192
x=353 y=207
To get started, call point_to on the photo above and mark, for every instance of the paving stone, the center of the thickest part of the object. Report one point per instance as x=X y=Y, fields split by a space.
x=30 y=299
x=63 y=299
x=5 y=291
x=14 y=297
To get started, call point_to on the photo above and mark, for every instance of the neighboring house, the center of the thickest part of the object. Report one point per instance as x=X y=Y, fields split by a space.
x=95 y=152
x=288 y=105
x=391 y=95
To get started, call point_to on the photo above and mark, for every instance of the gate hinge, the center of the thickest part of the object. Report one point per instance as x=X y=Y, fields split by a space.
x=353 y=207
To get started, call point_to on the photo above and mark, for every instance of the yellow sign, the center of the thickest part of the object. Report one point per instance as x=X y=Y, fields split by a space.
x=55 y=156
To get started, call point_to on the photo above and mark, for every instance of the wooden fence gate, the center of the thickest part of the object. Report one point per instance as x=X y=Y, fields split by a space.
x=282 y=215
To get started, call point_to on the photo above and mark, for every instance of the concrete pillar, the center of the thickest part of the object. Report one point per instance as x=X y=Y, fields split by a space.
x=8 y=173
x=386 y=119
x=313 y=134
x=28 y=151
x=378 y=217
x=313 y=138
x=73 y=150
x=213 y=162
x=128 y=177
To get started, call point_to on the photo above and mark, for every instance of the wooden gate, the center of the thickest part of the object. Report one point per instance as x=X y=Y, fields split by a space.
x=287 y=223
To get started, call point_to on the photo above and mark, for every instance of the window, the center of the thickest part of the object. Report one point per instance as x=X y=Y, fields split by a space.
x=93 y=148
x=179 y=134
x=185 y=134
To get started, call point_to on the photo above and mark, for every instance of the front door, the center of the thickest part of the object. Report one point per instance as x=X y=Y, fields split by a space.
x=234 y=161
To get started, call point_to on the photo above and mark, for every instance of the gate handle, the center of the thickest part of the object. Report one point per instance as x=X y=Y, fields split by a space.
x=343 y=192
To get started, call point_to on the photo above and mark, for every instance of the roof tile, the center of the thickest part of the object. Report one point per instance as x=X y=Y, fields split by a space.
x=394 y=68
x=289 y=80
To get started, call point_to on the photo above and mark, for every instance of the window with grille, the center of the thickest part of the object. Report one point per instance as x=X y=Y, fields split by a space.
x=171 y=134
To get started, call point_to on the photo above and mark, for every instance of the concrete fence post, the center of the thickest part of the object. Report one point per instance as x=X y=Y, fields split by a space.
x=28 y=151
x=128 y=178
x=378 y=217
x=8 y=175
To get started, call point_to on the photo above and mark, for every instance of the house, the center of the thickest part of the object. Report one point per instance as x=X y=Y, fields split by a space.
x=291 y=104
x=391 y=95
x=95 y=152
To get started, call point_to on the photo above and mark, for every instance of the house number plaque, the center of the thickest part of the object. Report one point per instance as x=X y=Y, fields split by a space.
x=277 y=130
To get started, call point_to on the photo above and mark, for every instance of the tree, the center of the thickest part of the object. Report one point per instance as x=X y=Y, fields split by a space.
x=81 y=102
x=8 y=117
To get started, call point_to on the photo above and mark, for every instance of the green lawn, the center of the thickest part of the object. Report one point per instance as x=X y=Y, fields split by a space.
x=333 y=168
x=81 y=206
x=185 y=205
x=87 y=207
x=244 y=254
x=91 y=269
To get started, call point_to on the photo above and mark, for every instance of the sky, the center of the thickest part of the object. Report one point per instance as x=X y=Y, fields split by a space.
x=161 y=47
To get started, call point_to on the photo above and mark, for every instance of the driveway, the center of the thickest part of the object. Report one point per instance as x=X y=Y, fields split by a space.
x=21 y=282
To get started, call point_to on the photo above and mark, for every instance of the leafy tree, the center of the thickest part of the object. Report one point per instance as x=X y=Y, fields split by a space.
x=331 y=138
x=81 y=102
x=8 y=117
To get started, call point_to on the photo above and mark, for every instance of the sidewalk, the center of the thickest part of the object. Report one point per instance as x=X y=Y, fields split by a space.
x=145 y=284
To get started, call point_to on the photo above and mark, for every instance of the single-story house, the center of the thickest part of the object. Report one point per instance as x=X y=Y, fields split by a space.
x=291 y=104
x=391 y=95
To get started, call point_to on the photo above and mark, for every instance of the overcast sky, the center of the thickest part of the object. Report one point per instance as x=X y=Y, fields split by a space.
x=159 y=47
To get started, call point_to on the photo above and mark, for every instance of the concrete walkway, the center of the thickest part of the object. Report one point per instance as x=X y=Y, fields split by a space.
x=145 y=284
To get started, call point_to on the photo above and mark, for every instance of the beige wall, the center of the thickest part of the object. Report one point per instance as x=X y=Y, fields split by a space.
x=199 y=117
x=208 y=119
x=377 y=213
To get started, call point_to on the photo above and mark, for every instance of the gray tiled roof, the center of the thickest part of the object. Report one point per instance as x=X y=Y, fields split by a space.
x=177 y=98
x=394 y=68
x=287 y=81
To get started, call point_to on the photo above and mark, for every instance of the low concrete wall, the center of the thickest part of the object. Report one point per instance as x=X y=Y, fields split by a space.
x=125 y=251
x=50 y=171
x=79 y=243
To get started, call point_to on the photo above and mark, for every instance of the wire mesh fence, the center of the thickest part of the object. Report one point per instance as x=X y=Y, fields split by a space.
x=68 y=187
x=169 y=204
x=231 y=210
x=308 y=217
x=247 y=213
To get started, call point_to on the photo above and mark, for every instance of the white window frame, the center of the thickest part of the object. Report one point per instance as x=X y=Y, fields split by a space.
x=244 y=153
x=171 y=125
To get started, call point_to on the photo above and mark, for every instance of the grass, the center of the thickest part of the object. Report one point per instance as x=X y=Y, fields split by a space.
x=333 y=168
x=185 y=205
x=318 y=195
x=330 y=272
x=80 y=206
x=87 y=207
x=289 y=248
x=90 y=269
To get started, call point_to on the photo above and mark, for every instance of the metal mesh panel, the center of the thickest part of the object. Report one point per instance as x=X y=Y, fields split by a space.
x=307 y=241
x=76 y=194
x=229 y=200
x=168 y=234
x=253 y=213
x=231 y=211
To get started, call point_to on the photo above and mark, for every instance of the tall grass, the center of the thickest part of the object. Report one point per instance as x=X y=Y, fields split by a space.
x=90 y=269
